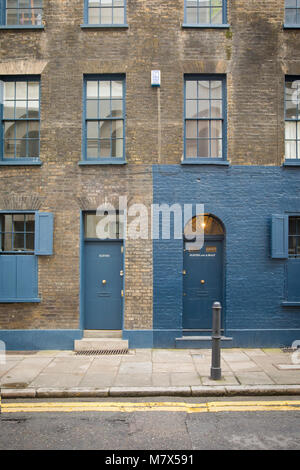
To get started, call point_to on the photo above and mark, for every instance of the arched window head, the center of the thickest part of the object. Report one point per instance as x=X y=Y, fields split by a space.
x=207 y=222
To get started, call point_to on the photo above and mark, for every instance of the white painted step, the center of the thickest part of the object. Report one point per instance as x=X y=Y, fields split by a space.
x=100 y=344
x=102 y=334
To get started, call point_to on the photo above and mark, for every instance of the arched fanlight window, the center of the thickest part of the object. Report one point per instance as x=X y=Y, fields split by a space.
x=207 y=222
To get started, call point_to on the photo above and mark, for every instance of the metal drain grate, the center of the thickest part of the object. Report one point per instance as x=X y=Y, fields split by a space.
x=102 y=352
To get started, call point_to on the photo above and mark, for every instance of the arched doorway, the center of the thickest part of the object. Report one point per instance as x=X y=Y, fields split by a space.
x=203 y=272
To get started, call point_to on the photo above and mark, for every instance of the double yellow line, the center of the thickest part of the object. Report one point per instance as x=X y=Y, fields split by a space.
x=209 y=407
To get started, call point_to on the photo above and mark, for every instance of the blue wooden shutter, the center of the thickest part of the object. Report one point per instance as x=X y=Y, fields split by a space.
x=27 y=283
x=280 y=227
x=43 y=233
x=8 y=276
x=18 y=278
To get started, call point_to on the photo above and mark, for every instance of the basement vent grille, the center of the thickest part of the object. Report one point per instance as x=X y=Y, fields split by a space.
x=102 y=352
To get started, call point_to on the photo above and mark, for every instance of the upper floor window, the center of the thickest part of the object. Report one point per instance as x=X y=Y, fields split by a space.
x=20 y=118
x=106 y=12
x=23 y=12
x=292 y=12
x=205 y=12
x=205 y=123
x=292 y=118
x=105 y=118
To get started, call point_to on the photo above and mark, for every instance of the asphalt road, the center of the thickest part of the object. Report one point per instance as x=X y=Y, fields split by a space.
x=152 y=430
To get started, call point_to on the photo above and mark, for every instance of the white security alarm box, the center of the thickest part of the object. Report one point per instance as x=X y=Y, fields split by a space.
x=155 y=77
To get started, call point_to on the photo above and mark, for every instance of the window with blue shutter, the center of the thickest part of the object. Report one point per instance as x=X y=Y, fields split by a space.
x=293 y=264
x=286 y=246
x=23 y=236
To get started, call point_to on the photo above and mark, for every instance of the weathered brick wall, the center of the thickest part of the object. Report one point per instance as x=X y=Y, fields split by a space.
x=255 y=54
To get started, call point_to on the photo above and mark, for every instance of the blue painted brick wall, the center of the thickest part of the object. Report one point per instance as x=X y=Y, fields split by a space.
x=244 y=198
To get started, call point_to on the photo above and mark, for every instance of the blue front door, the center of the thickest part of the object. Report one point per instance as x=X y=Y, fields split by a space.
x=103 y=284
x=202 y=284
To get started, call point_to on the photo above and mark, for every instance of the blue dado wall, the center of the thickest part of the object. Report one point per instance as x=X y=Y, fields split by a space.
x=244 y=198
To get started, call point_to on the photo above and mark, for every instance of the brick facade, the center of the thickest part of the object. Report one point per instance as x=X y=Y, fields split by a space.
x=255 y=54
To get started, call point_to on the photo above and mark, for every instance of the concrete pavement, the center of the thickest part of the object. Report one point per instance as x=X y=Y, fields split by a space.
x=149 y=372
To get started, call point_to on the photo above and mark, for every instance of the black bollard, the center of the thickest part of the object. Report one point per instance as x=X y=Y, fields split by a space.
x=215 y=371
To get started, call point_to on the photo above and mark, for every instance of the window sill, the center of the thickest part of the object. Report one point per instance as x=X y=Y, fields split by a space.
x=291 y=163
x=104 y=26
x=20 y=163
x=290 y=304
x=206 y=26
x=13 y=301
x=22 y=27
x=205 y=161
x=291 y=26
x=102 y=162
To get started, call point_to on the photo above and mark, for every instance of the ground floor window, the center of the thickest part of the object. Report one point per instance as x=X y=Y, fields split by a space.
x=17 y=233
x=24 y=236
x=294 y=237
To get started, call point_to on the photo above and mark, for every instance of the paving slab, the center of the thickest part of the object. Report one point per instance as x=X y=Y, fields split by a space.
x=173 y=367
x=254 y=352
x=287 y=378
x=56 y=380
x=65 y=365
x=4 y=368
x=97 y=367
x=25 y=371
x=161 y=379
x=234 y=356
x=254 y=378
x=184 y=378
x=171 y=356
x=98 y=380
x=244 y=366
x=126 y=380
x=137 y=355
x=288 y=366
x=135 y=368
x=225 y=380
